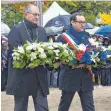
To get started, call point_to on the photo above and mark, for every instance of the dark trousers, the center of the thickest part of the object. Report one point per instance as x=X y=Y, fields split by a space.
x=4 y=75
x=98 y=75
x=85 y=97
x=53 y=78
x=40 y=102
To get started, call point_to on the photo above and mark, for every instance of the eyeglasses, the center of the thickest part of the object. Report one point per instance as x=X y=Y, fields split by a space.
x=81 y=22
x=34 y=14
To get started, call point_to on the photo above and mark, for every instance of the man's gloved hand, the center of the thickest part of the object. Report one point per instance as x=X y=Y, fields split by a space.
x=79 y=66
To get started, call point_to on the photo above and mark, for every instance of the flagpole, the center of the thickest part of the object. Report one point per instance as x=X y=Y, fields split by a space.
x=39 y=5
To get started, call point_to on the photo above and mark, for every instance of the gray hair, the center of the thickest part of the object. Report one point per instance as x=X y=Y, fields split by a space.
x=28 y=8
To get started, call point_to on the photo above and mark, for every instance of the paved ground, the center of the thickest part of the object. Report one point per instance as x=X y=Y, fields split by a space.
x=102 y=99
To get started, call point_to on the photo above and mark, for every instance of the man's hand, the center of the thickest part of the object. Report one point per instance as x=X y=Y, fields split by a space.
x=79 y=66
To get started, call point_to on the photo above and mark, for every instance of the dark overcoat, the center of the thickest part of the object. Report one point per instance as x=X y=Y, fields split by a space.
x=71 y=80
x=25 y=82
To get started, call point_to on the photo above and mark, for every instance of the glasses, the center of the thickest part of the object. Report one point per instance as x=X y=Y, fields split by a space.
x=34 y=14
x=81 y=22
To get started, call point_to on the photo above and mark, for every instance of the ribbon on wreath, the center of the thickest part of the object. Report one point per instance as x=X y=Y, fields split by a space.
x=74 y=46
x=70 y=41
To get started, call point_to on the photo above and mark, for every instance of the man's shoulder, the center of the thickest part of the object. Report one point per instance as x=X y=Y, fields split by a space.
x=19 y=25
x=40 y=27
x=87 y=33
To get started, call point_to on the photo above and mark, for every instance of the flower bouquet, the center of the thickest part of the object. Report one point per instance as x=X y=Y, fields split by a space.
x=45 y=54
x=105 y=56
x=87 y=56
x=104 y=53
x=19 y=57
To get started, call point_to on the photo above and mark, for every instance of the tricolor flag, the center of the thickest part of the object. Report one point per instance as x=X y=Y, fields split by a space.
x=70 y=41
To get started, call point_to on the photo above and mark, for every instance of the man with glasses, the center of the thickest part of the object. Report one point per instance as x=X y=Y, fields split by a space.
x=76 y=78
x=25 y=82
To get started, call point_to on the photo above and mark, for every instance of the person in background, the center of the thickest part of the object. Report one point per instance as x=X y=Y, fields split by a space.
x=26 y=82
x=100 y=39
x=106 y=41
x=4 y=62
x=98 y=73
x=76 y=78
x=94 y=37
x=105 y=78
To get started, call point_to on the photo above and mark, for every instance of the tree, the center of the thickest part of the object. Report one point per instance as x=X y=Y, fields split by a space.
x=13 y=13
x=87 y=8
x=10 y=15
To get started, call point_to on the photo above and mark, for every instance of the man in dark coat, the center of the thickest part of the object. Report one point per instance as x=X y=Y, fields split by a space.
x=25 y=82
x=75 y=79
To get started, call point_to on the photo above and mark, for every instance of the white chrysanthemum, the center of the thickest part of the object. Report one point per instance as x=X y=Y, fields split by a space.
x=43 y=55
x=82 y=47
x=55 y=45
x=50 y=40
x=41 y=50
x=34 y=45
x=38 y=44
x=33 y=56
x=109 y=47
x=50 y=47
x=17 y=58
x=44 y=45
x=15 y=54
x=66 y=51
x=21 y=49
x=67 y=60
x=30 y=47
x=56 y=58
x=65 y=45
x=57 y=52
x=14 y=58
x=103 y=48
x=94 y=57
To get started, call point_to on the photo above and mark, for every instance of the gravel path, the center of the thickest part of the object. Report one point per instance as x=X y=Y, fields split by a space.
x=102 y=99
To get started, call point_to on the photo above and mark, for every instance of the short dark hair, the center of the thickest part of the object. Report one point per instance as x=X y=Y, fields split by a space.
x=73 y=16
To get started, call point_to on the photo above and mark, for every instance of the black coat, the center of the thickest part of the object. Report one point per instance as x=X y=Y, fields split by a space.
x=71 y=80
x=25 y=82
